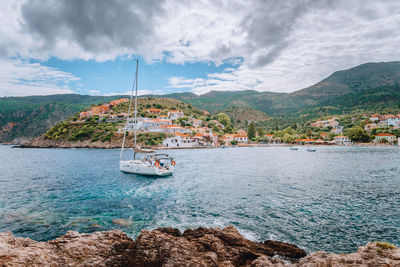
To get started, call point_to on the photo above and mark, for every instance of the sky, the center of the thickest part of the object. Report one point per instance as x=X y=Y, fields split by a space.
x=90 y=46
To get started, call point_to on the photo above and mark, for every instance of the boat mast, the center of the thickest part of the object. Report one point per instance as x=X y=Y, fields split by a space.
x=129 y=110
x=136 y=100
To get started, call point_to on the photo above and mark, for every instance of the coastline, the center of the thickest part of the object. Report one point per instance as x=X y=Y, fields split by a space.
x=42 y=143
x=170 y=247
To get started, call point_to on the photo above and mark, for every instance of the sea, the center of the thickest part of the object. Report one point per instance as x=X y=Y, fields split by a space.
x=334 y=199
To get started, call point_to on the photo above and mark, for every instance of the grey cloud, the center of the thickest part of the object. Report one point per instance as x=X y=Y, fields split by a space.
x=97 y=26
x=269 y=25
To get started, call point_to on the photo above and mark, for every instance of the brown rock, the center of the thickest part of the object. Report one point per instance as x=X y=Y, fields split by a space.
x=170 y=247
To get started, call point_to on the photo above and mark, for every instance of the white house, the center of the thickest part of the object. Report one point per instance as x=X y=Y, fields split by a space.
x=196 y=122
x=337 y=130
x=241 y=138
x=393 y=120
x=175 y=129
x=326 y=123
x=342 y=140
x=368 y=127
x=175 y=114
x=180 y=141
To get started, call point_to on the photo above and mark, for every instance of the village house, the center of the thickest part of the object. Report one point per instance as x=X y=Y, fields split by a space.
x=175 y=114
x=229 y=138
x=180 y=140
x=196 y=122
x=338 y=130
x=324 y=135
x=241 y=138
x=118 y=101
x=375 y=117
x=393 y=121
x=101 y=109
x=270 y=137
x=175 y=129
x=214 y=138
x=84 y=115
x=368 y=127
x=342 y=140
x=326 y=123
x=384 y=136
x=154 y=111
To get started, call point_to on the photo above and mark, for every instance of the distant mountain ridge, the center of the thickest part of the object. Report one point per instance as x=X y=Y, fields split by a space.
x=367 y=87
x=357 y=79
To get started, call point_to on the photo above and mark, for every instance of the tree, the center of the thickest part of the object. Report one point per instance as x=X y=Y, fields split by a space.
x=287 y=138
x=260 y=131
x=289 y=130
x=224 y=119
x=357 y=134
x=252 y=131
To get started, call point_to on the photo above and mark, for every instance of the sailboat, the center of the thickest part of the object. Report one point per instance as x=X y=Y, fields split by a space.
x=150 y=163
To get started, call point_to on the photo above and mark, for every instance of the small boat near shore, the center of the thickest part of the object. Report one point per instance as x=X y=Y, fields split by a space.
x=294 y=148
x=311 y=149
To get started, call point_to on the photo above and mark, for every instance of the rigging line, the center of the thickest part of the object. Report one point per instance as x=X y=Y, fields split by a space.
x=129 y=111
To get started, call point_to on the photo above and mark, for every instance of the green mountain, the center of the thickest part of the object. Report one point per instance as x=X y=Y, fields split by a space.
x=26 y=117
x=356 y=80
x=372 y=87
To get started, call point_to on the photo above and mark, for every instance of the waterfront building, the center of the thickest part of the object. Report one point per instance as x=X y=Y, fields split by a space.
x=305 y=141
x=388 y=137
x=241 y=138
x=342 y=140
x=180 y=140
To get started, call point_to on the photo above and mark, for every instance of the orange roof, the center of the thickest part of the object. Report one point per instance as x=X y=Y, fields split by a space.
x=198 y=135
x=153 y=110
x=181 y=135
x=305 y=140
x=241 y=135
x=324 y=134
x=175 y=127
x=385 y=134
x=271 y=135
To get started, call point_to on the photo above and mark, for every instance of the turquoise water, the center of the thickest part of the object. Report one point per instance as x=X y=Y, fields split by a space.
x=335 y=199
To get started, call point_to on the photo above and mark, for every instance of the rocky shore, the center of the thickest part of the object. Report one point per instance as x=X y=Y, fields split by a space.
x=170 y=247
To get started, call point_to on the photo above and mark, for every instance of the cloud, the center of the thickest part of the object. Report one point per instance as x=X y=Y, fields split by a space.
x=19 y=78
x=88 y=29
x=140 y=92
x=271 y=45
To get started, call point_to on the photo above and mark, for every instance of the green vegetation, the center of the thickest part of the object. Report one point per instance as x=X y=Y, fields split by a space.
x=33 y=115
x=95 y=129
x=224 y=119
x=385 y=245
x=251 y=131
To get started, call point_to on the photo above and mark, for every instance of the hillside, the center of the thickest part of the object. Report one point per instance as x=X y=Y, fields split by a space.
x=356 y=80
x=105 y=129
x=26 y=117
x=240 y=116
x=371 y=87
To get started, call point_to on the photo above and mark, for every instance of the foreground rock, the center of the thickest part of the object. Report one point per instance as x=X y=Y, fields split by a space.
x=169 y=247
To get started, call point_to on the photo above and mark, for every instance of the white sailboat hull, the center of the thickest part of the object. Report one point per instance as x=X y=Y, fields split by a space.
x=139 y=167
